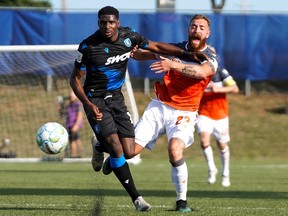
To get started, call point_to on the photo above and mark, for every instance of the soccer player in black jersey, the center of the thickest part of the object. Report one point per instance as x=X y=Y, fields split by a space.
x=105 y=56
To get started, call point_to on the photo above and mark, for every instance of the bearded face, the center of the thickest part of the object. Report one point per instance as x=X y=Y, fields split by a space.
x=198 y=32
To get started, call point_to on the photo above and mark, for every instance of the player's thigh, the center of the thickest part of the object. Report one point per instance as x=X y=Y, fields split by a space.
x=122 y=117
x=205 y=138
x=181 y=125
x=204 y=124
x=150 y=125
x=221 y=130
x=107 y=125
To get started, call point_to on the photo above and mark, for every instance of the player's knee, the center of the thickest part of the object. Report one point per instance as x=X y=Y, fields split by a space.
x=129 y=155
x=177 y=163
x=204 y=145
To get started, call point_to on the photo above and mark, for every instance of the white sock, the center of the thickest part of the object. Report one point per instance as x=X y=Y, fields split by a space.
x=179 y=177
x=225 y=159
x=208 y=153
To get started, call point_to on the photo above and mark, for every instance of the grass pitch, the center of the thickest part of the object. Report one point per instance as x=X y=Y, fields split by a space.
x=57 y=188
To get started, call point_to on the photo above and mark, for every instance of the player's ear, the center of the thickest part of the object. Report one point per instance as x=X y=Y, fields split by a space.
x=208 y=34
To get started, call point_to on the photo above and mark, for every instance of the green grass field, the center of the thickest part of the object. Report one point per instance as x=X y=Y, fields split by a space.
x=259 y=166
x=57 y=188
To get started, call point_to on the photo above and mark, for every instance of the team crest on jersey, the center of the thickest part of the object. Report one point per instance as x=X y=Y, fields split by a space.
x=79 y=57
x=106 y=49
x=128 y=42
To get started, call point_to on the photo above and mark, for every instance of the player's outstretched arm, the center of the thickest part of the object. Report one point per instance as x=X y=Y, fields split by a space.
x=140 y=54
x=166 y=49
x=198 y=71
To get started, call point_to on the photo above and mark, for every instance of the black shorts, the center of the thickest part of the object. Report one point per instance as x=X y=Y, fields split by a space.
x=72 y=135
x=116 y=117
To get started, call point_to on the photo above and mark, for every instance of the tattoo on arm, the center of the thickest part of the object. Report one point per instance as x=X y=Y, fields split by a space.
x=189 y=71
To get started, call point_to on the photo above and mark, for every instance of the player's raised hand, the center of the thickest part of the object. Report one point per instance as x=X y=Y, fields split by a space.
x=133 y=51
x=161 y=66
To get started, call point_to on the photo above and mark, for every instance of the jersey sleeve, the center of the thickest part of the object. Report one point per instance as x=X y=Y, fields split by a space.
x=227 y=78
x=139 y=40
x=213 y=58
x=81 y=56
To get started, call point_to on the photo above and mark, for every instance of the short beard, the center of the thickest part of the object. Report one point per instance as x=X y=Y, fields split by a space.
x=201 y=45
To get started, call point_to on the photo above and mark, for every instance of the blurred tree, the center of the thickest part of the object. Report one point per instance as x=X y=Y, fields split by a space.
x=25 y=3
x=217 y=6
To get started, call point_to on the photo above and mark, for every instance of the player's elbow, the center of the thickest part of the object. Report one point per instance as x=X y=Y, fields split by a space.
x=205 y=74
x=236 y=89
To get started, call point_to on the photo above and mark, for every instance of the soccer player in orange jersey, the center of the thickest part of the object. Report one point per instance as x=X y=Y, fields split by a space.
x=213 y=120
x=174 y=111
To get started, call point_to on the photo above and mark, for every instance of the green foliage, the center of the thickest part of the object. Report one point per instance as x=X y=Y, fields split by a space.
x=25 y=3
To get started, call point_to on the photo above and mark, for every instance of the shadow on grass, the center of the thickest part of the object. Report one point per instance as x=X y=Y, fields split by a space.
x=154 y=193
x=278 y=110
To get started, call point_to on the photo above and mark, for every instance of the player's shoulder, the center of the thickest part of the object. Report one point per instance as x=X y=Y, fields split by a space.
x=126 y=30
x=223 y=71
x=221 y=75
x=93 y=40
x=210 y=53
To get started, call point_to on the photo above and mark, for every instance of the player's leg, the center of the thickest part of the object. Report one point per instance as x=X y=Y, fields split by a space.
x=142 y=140
x=205 y=128
x=207 y=150
x=79 y=148
x=73 y=149
x=179 y=173
x=73 y=143
x=98 y=153
x=121 y=169
x=98 y=140
x=180 y=132
x=222 y=136
x=224 y=153
x=69 y=147
x=130 y=148
x=116 y=125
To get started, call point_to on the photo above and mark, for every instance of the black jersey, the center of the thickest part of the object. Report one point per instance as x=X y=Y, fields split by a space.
x=106 y=62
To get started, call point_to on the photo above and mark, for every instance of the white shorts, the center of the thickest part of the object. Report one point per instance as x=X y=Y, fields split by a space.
x=159 y=118
x=218 y=128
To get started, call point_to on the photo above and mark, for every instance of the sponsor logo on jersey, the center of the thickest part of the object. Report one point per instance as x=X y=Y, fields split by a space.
x=79 y=57
x=118 y=58
x=106 y=49
x=127 y=42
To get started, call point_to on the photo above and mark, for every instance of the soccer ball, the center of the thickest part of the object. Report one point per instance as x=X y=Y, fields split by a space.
x=52 y=138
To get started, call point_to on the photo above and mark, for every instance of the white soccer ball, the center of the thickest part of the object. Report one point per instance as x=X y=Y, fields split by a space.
x=52 y=138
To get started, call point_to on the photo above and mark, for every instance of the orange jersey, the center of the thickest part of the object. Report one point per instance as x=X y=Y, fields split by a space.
x=181 y=92
x=215 y=105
